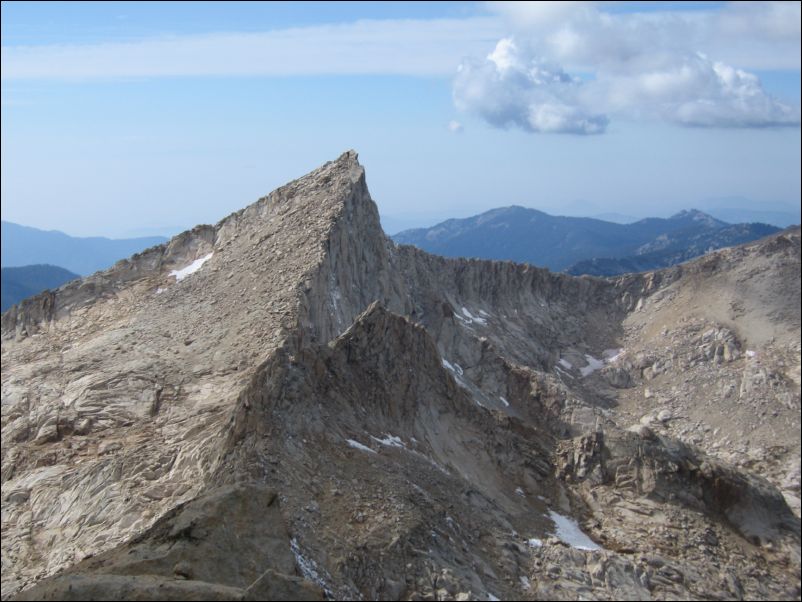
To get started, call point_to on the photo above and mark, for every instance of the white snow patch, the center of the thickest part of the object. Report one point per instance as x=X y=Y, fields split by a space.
x=191 y=268
x=569 y=532
x=455 y=368
x=504 y=401
x=593 y=365
x=159 y=291
x=458 y=372
x=520 y=492
x=492 y=598
x=565 y=363
x=484 y=313
x=750 y=353
x=473 y=318
x=308 y=567
x=524 y=581
x=389 y=441
x=612 y=355
x=561 y=371
x=534 y=542
x=358 y=445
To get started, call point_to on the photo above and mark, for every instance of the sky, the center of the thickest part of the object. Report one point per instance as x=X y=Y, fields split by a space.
x=134 y=118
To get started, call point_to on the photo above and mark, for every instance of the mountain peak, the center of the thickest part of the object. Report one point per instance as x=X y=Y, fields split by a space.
x=698 y=216
x=346 y=164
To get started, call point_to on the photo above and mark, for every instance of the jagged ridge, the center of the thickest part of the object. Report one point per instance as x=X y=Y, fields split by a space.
x=228 y=376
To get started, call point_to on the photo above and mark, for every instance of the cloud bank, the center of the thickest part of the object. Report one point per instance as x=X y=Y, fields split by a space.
x=637 y=65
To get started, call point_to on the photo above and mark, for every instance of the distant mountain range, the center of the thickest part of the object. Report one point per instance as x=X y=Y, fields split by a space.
x=676 y=251
x=581 y=245
x=24 y=246
x=22 y=282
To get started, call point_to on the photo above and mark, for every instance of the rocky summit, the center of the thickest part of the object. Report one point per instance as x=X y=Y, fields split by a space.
x=288 y=405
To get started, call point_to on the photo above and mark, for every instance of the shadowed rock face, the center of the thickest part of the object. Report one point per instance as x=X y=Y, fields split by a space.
x=317 y=411
x=231 y=544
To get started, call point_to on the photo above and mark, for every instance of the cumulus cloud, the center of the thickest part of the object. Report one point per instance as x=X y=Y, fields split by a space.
x=695 y=91
x=643 y=65
x=511 y=88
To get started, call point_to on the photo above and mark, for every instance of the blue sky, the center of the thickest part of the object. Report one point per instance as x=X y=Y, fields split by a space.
x=118 y=118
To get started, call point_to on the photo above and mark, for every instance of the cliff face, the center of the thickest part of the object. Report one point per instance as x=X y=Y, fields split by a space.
x=399 y=424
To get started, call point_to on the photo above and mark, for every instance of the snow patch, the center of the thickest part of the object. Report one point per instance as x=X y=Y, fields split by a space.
x=612 y=355
x=504 y=401
x=358 y=445
x=389 y=441
x=472 y=318
x=455 y=368
x=465 y=321
x=750 y=353
x=524 y=581
x=593 y=365
x=565 y=363
x=191 y=268
x=484 y=313
x=534 y=542
x=308 y=567
x=561 y=371
x=520 y=492
x=569 y=532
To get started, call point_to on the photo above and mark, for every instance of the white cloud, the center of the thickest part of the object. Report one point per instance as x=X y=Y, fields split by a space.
x=640 y=65
x=512 y=88
x=695 y=91
x=401 y=47
x=751 y=35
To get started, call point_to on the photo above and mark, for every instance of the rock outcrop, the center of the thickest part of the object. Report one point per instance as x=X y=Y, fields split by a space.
x=288 y=405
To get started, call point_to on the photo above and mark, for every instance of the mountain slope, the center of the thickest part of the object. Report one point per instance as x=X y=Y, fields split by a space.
x=559 y=243
x=22 y=245
x=25 y=281
x=410 y=426
x=673 y=252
